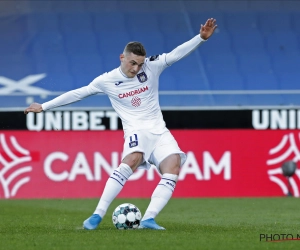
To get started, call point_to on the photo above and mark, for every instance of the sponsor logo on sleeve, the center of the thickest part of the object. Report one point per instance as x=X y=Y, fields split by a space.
x=154 y=58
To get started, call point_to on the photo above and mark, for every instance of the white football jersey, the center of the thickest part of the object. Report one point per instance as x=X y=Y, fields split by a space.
x=135 y=99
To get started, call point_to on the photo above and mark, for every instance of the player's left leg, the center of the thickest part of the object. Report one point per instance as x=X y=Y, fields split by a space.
x=168 y=157
x=169 y=168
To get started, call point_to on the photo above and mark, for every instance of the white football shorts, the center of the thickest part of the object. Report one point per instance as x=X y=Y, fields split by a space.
x=155 y=147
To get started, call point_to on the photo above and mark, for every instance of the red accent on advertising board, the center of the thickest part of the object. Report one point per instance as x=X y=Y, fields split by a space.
x=220 y=163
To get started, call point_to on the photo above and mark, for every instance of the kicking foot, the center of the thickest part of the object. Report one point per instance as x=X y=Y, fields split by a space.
x=150 y=224
x=92 y=222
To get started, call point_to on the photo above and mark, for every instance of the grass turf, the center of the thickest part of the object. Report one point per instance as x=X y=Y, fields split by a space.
x=190 y=224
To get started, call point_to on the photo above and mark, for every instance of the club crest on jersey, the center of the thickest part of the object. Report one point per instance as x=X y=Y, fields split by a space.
x=133 y=141
x=142 y=77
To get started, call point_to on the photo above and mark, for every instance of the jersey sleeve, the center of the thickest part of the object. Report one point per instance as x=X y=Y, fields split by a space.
x=97 y=85
x=161 y=62
x=184 y=50
x=74 y=95
x=157 y=63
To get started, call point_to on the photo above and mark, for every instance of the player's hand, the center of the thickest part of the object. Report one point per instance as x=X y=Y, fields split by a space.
x=208 y=28
x=34 y=107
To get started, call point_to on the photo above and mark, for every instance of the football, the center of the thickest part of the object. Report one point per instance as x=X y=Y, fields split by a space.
x=126 y=216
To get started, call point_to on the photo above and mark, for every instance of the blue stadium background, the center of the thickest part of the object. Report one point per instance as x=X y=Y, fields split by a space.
x=253 y=59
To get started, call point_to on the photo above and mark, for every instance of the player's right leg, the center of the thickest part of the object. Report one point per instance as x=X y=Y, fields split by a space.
x=113 y=187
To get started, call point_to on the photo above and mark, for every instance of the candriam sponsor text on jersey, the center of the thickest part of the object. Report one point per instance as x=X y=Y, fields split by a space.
x=133 y=92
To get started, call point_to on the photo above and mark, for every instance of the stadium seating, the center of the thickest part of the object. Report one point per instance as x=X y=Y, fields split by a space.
x=253 y=48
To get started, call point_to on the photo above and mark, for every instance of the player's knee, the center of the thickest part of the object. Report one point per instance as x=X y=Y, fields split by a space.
x=133 y=160
x=172 y=170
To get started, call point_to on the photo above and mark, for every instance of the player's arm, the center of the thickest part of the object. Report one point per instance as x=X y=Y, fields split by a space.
x=64 y=99
x=188 y=47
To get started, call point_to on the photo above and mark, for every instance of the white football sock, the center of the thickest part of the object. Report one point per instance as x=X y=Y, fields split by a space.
x=113 y=187
x=161 y=195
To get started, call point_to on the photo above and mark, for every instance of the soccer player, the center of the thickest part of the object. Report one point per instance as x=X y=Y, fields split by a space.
x=133 y=91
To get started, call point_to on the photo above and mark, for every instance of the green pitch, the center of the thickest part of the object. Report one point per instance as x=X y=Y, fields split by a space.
x=190 y=223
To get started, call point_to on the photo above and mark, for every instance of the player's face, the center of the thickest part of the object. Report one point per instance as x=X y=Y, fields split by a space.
x=131 y=64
